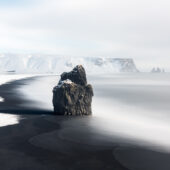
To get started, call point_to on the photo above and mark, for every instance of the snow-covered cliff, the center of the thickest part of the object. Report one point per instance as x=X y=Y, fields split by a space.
x=57 y=64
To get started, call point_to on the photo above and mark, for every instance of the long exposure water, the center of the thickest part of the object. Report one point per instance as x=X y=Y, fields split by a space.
x=134 y=107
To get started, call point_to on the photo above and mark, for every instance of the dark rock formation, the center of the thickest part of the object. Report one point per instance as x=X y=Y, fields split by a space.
x=157 y=70
x=72 y=95
x=77 y=75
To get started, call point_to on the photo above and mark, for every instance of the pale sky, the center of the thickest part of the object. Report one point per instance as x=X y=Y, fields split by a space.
x=138 y=29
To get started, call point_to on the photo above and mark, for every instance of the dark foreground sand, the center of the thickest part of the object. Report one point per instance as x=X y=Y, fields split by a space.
x=43 y=141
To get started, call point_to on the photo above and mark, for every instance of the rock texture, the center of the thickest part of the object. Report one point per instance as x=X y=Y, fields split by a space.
x=77 y=75
x=72 y=95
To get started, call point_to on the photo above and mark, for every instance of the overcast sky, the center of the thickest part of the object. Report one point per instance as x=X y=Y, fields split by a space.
x=138 y=29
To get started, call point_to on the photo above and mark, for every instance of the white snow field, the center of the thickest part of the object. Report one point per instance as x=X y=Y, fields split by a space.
x=19 y=63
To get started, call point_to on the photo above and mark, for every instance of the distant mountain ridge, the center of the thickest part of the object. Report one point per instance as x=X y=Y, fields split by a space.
x=56 y=64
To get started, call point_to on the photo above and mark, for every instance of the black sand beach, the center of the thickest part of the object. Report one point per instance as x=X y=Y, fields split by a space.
x=36 y=142
x=43 y=141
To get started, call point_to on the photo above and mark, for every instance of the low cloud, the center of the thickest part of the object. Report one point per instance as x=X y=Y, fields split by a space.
x=124 y=28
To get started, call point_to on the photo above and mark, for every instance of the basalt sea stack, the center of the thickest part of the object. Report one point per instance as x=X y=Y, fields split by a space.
x=72 y=95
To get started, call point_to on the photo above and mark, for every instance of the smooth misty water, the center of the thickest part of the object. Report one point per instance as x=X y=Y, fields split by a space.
x=134 y=107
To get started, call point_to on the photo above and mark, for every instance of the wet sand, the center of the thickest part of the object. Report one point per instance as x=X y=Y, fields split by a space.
x=43 y=141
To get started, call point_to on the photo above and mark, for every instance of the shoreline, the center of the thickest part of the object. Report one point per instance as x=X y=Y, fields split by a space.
x=37 y=142
x=42 y=140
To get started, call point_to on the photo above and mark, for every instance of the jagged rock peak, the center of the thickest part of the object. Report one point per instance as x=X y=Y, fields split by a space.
x=77 y=75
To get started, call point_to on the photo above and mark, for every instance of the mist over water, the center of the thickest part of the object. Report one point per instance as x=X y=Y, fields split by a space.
x=134 y=107
x=131 y=107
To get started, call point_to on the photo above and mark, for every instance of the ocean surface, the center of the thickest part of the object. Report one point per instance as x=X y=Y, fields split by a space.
x=134 y=108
